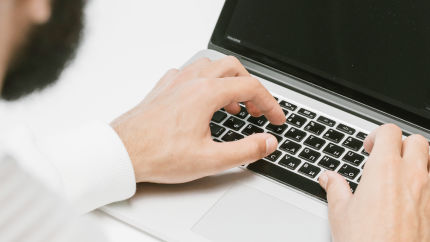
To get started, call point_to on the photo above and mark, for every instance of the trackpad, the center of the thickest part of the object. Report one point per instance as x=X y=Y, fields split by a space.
x=247 y=214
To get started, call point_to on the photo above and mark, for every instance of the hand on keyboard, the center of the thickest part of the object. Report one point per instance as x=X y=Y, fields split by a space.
x=392 y=201
x=168 y=135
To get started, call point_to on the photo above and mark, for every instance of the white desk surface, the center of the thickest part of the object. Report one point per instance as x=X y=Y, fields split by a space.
x=128 y=45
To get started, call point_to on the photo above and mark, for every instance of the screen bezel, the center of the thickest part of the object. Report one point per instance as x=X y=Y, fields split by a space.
x=219 y=39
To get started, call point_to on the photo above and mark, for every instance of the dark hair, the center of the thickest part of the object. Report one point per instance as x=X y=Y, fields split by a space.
x=46 y=52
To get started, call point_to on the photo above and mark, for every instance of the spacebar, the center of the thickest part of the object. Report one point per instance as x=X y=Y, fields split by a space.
x=288 y=178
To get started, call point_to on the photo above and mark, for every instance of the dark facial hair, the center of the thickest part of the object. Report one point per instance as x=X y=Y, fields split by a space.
x=46 y=52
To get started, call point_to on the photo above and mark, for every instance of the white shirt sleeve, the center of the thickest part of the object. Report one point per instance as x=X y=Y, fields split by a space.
x=93 y=165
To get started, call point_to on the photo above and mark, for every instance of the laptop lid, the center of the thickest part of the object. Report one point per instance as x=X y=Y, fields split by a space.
x=375 y=52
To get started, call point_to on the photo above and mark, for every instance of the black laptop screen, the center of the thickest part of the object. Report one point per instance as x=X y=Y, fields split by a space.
x=376 y=52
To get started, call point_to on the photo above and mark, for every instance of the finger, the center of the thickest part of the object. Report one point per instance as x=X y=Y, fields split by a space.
x=232 y=108
x=252 y=109
x=244 y=151
x=385 y=140
x=228 y=66
x=337 y=189
x=242 y=89
x=415 y=149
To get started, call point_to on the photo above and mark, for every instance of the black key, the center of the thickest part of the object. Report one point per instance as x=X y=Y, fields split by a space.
x=329 y=163
x=288 y=178
x=285 y=112
x=348 y=171
x=260 y=121
x=219 y=116
x=364 y=152
x=309 y=170
x=278 y=129
x=276 y=98
x=251 y=129
x=295 y=134
x=288 y=105
x=290 y=147
x=359 y=179
x=315 y=128
x=290 y=162
x=334 y=150
x=234 y=123
x=352 y=185
x=279 y=138
x=216 y=130
x=361 y=135
x=232 y=136
x=243 y=113
x=353 y=158
x=307 y=113
x=353 y=144
x=296 y=120
x=326 y=121
x=314 y=142
x=217 y=140
x=345 y=129
x=333 y=136
x=274 y=156
x=309 y=155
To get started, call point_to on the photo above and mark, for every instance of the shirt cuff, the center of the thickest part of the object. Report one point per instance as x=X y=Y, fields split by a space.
x=93 y=164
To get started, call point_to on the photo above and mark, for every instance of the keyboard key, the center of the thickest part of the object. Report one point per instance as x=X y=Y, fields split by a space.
x=279 y=138
x=352 y=185
x=295 y=134
x=307 y=113
x=260 y=121
x=274 y=156
x=309 y=170
x=353 y=158
x=290 y=162
x=234 y=123
x=285 y=112
x=288 y=105
x=296 y=120
x=251 y=129
x=353 y=144
x=290 y=147
x=278 y=129
x=219 y=116
x=288 y=178
x=217 y=140
x=334 y=150
x=359 y=179
x=276 y=98
x=232 y=136
x=361 y=135
x=243 y=113
x=345 y=129
x=326 y=121
x=364 y=152
x=348 y=171
x=314 y=142
x=329 y=163
x=315 y=128
x=309 y=155
x=333 y=136
x=216 y=130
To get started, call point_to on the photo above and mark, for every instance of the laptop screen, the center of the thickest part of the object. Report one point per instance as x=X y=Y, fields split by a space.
x=376 y=52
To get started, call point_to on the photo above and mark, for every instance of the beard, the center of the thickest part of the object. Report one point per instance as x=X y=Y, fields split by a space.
x=47 y=50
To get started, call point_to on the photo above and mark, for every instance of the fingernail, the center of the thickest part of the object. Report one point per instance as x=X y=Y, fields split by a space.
x=323 y=180
x=271 y=143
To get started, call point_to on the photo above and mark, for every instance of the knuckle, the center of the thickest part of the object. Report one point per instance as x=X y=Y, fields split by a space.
x=417 y=139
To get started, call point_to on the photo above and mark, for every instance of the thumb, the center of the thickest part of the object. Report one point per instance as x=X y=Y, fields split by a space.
x=244 y=151
x=337 y=189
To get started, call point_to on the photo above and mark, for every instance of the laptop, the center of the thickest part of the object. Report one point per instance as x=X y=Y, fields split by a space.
x=338 y=70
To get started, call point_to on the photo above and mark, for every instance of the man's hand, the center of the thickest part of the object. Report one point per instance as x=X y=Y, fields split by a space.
x=167 y=135
x=392 y=201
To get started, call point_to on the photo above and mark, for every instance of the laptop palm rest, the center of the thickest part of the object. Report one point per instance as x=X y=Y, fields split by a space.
x=247 y=214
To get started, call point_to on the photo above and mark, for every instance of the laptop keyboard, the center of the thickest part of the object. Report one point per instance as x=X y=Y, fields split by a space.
x=309 y=143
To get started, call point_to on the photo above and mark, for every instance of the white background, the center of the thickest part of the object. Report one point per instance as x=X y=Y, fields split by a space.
x=127 y=47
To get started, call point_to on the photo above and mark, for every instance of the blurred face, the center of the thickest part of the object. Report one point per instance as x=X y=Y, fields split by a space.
x=37 y=39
